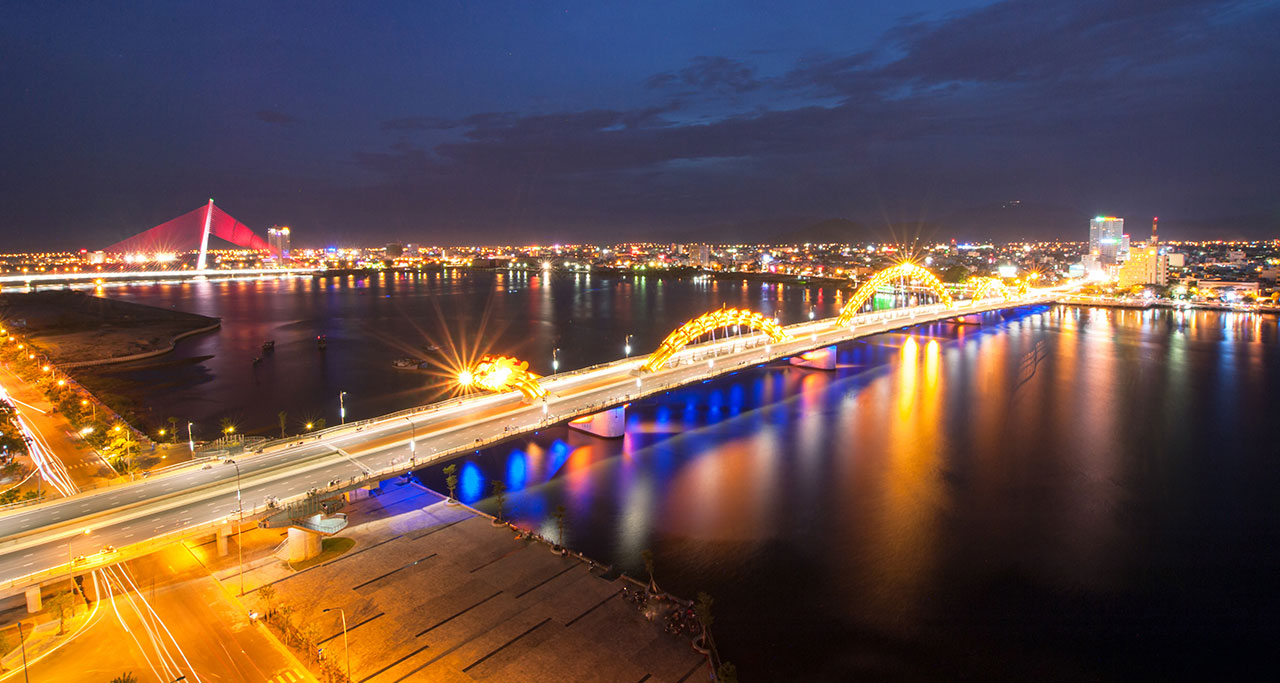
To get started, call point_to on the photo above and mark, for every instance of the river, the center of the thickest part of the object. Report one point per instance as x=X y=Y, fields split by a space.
x=1054 y=493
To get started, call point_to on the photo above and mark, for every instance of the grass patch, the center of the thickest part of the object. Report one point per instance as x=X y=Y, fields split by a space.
x=329 y=549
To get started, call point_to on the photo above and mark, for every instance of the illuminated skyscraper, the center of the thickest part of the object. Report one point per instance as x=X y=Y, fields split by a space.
x=1106 y=237
x=278 y=238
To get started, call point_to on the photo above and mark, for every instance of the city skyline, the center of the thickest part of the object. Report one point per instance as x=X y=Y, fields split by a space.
x=432 y=125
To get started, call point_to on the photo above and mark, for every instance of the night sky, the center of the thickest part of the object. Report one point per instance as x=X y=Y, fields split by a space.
x=472 y=122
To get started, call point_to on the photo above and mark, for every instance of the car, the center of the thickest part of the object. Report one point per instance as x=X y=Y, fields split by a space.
x=207 y=466
x=229 y=461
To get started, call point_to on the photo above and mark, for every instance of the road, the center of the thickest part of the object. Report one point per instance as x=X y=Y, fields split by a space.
x=172 y=620
x=48 y=536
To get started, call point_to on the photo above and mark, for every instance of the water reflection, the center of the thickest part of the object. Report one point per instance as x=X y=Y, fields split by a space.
x=945 y=492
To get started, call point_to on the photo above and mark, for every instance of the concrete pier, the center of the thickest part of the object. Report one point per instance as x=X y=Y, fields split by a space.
x=610 y=424
x=34 y=604
x=821 y=359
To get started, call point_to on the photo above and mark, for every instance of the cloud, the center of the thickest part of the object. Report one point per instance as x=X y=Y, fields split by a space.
x=275 y=117
x=710 y=73
x=1068 y=103
x=417 y=123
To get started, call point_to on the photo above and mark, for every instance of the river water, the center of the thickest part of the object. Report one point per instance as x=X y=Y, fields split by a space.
x=1052 y=493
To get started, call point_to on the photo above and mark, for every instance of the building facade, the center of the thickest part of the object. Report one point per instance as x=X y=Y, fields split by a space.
x=1106 y=240
x=278 y=239
x=1146 y=266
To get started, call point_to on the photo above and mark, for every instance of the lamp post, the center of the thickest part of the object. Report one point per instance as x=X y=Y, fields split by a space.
x=92 y=406
x=555 y=360
x=22 y=643
x=191 y=442
x=627 y=347
x=342 y=408
x=413 y=440
x=239 y=527
x=346 y=651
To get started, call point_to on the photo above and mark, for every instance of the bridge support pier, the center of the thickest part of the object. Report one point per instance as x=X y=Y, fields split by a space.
x=222 y=534
x=361 y=493
x=610 y=424
x=822 y=359
x=303 y=544
x=33 y=600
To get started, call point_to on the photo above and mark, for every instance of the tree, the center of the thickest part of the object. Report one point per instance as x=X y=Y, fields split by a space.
x=727 y=673
x=173 y=428
x=451 y=478
x=6 y=644
x=559 y=517
x=267 y=594
x=955 y=274
x=647 y=556
x=703 y=609
x=62 y=603
x=499 y=497
x=284 y=419
x=320 y=423
x=126 y=677
x=226 y=426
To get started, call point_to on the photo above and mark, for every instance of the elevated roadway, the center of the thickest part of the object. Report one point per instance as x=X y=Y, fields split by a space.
x=47 y=541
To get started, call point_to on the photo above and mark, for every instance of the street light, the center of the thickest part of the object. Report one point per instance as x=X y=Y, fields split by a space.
x=345 y=649
x=92 y=406
x=413 y=440
x=342 y=408
x=555 y=360
x=23 y=644
x=627 y=347
x=239 y=526
x=191 y=443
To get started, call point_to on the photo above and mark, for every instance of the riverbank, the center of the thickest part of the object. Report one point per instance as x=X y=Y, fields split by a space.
x=76 y=329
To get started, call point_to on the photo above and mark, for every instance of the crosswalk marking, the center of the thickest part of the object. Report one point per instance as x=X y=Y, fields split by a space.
x=286 y=676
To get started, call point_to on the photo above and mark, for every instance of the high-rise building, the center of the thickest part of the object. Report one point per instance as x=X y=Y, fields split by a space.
x=1146 y=266
x=1106 y=238
x=278 y=240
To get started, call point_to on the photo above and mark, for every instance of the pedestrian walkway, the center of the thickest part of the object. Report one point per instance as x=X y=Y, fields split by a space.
x=436 y=592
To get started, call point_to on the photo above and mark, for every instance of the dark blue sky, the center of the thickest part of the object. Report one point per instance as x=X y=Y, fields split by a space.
x=526 y=121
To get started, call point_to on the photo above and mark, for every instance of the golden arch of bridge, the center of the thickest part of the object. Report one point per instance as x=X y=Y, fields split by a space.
x=503 y=373
x=903 y=271
x=707 y=323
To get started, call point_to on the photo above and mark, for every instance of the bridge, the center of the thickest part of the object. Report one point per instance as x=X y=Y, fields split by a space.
x=286 y=478
x=189 y=232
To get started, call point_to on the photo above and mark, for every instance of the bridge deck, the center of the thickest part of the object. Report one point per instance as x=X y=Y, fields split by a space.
x=138 y=518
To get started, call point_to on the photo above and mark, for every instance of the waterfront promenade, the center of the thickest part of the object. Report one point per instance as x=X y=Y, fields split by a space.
x=436 y=592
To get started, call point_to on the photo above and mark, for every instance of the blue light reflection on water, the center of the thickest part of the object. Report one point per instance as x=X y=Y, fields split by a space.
x=1003 y=466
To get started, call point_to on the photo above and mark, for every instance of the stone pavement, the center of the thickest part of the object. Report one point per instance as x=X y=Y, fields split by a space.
x=433 y=591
